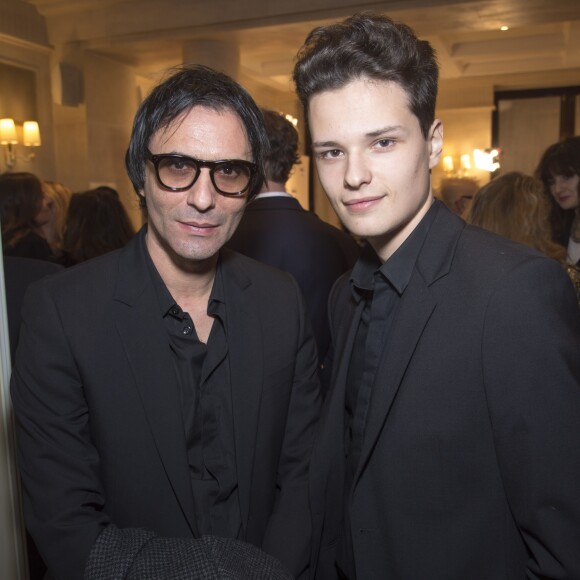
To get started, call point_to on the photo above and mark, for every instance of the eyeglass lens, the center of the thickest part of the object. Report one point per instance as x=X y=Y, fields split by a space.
x=229 y=177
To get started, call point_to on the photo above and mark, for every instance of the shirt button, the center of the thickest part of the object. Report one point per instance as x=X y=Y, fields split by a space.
x=174 y=310
x=187 y=330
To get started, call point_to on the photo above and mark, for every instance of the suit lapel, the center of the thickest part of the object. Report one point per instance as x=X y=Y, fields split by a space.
x=417 y=305
x=245 y=353
x=415 y=309
x=144 y=339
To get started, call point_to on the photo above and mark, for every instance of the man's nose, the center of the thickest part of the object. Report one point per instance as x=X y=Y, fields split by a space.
x=357 y=172
x=202 y=193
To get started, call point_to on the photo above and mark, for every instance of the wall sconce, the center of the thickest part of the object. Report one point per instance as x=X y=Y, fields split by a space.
x=9 y=138
x=464 y=166
x=448 y=165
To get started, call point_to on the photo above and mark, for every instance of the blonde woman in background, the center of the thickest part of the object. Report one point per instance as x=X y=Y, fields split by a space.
x=513 y=205
x=58 y=196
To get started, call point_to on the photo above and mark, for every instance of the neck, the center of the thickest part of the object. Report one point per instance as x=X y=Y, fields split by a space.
x=187 y=280
x=385 y=246
x=270 y=185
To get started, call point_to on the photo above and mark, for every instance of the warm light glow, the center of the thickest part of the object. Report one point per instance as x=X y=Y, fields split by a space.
x=31 y=134
x=465 y=162
x=448 y=163
x=486 y=160
x=7 y=132
x=292 y=119
x=504 y=28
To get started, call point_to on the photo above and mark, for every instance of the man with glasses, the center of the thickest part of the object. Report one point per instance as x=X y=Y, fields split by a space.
x=168 y=391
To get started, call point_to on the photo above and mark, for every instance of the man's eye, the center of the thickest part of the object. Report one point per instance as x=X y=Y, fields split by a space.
x=384 y=143
x=330 y=154
x=179 y=165
x=230 y=170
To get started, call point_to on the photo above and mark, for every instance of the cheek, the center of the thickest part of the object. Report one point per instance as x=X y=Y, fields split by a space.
x=329 y=179
x=234 y=211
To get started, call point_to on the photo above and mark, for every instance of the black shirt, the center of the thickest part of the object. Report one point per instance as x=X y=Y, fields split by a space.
x=381 y=287
x=203 y=377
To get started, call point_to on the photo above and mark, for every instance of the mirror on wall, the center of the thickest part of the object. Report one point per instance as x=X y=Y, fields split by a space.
x=17 y=93
x=555 y=113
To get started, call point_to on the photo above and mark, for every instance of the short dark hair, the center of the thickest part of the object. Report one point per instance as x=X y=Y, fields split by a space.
x=283 y=153
x=369 y=46
x=193 y=86
x=560 y=159
x=20 y=202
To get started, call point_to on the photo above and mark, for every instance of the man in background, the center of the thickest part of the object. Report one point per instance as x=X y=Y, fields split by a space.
x=276 y=230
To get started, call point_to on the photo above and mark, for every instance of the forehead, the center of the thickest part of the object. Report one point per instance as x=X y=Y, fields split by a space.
x=361 y=105
x=205 y=133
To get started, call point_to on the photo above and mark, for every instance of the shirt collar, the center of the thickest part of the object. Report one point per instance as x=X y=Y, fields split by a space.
x=273 y=194
x=397 y=270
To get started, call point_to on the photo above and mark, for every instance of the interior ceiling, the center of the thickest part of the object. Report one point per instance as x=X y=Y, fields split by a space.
x=543 y=35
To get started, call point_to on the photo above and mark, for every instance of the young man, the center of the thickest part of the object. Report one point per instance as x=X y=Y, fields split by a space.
x=449 y=442
x=276 y=230
x=168 y=391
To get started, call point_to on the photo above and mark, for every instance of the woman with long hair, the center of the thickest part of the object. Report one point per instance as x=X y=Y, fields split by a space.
x=58 y=196
x=24 y=210
x=96 y=223
x=513 y=205
x=559 y=171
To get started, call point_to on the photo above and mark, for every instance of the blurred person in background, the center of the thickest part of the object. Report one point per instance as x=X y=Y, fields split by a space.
x=457 y=192
x=277 y=230
x=514 y=206
x=559 y=171
x=24 y=210
x=57 y=198
x=96 y=223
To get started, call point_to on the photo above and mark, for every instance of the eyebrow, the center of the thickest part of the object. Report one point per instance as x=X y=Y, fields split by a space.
x=370 y=135
x=385 y=130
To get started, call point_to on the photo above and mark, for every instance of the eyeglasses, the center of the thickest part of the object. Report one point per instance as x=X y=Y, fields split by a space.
x=231 y=177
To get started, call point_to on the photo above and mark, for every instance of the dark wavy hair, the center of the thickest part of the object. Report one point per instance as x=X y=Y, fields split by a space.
x=193 y=86
x=283 y=153
x=560 y=159
x=96 y=223
x=369 y=46
x=20 y=202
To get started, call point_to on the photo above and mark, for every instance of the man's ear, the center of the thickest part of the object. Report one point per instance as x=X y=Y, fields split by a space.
x=435 y=139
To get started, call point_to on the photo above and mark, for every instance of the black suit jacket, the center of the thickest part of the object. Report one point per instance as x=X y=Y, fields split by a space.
x=99 y=422
x=470 y=465
x=19 y=273
x=279 y=232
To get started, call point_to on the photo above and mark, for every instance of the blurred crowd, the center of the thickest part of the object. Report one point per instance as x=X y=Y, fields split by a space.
x=45 y=220
x=541 y=211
